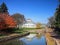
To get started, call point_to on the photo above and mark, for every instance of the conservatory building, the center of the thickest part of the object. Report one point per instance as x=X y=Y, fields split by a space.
x=29 y=24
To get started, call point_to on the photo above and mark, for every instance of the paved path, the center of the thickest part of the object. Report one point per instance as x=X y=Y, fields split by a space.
x=57 y=41
x=49 y=39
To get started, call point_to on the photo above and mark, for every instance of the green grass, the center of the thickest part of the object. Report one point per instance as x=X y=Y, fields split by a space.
x=30 y=28
x=2 y=35
x=33 y=32
x=22 y=30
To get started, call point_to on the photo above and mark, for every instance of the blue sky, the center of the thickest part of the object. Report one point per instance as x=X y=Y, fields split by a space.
x=37 y=10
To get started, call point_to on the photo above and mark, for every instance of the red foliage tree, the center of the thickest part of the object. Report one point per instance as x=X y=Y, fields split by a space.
x=6 y=21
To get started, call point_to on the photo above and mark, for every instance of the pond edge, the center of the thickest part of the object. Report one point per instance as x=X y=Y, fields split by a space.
x=14 y=36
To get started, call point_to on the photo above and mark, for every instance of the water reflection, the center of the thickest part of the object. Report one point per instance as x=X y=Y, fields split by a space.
x=13 y=42
x=38 y=36
x=37 y=39
x=32 y=39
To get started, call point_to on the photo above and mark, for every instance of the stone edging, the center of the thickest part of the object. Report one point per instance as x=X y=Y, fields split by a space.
x=13 y=37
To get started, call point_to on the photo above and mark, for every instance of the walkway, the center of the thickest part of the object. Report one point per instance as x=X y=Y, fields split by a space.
x=49 y=39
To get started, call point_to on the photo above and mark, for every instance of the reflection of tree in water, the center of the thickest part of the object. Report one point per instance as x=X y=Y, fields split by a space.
x=13 y=42
x=38 y=35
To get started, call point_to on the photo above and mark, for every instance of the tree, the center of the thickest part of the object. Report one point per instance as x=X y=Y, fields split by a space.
x=6 y=21
x=20 y=19
x=0 y=10
x=38 y=25
x=3 y=8
x=55 y=20
x=51 y=22
x=2 y=23
x=57 y=17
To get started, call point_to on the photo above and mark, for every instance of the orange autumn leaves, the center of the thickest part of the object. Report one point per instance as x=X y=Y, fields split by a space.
x=6 y=21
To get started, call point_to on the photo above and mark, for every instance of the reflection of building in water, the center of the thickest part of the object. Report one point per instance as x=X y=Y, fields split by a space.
x=30 y=37
x=29 y=24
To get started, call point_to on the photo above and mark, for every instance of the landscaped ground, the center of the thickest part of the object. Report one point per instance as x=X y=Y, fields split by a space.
x=21 y=31
x=50 y=40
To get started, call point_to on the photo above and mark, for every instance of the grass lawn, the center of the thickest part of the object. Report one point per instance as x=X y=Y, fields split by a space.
x=30 y=28
x=24 y=29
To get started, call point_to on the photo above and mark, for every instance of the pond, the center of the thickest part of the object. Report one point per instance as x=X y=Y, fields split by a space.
x=31 y=39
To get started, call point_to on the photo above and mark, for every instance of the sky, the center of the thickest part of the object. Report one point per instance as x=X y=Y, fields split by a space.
x=36 y=10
